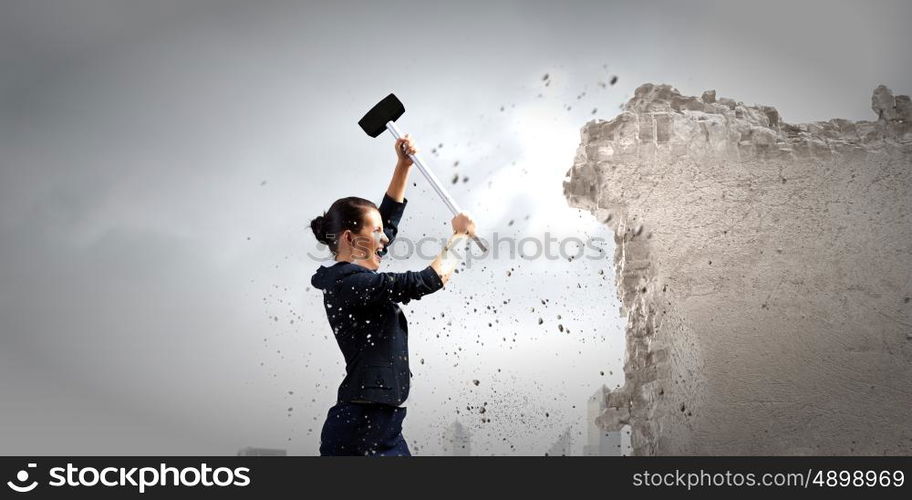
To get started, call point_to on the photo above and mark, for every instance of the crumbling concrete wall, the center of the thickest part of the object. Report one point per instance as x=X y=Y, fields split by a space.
x=765 y=270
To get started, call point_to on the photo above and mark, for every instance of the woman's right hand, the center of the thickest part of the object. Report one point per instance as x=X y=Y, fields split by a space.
x=463 y=224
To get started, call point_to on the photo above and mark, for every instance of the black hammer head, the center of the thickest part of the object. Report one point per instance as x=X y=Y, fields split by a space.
x=374 y=121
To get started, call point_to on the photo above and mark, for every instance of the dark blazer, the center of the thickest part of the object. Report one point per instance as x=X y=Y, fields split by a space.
x=369 y=327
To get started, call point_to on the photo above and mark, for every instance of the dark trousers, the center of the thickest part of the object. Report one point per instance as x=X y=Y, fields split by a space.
x=364 y=429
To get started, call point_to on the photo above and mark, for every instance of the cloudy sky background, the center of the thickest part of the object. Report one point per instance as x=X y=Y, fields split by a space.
x=160 y=162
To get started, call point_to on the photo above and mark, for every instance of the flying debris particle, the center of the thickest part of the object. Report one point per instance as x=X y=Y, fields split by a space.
x=603 y=373
x=263 y=183
x=476 y=381
x=561 y=328
x=614 y=79
x=455 y=178
x=540 y=321
x=594 y=110
x=482 y=409
x=465 y=179
x=290 y=393
x=456 y=163
x=501 y=108
x=509 y=223
x=545 y=78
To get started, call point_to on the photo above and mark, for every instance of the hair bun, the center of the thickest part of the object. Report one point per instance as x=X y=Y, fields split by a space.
x=318 y=225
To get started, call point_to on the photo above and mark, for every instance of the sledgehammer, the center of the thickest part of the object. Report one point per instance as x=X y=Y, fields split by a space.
x=382 y=117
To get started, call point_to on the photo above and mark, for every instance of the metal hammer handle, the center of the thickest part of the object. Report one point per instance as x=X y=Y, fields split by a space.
x=435 y=182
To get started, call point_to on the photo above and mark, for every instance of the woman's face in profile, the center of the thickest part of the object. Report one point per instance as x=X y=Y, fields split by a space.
x=367 y=243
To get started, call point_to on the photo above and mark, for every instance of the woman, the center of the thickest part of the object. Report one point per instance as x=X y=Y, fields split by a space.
x=369 y=327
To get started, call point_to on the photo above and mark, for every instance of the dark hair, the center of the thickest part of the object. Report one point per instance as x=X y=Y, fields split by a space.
x=343 y=214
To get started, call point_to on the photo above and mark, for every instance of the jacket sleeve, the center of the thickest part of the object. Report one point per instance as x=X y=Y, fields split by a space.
x=370 y=287
x=391 y=213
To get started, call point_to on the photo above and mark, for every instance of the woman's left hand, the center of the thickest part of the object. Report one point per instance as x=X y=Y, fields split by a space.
x=405 y=147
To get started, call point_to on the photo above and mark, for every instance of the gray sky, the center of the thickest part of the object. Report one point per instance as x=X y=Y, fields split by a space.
x=149 y=278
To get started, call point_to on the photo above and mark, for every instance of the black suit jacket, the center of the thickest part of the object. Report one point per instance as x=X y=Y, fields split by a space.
x=369 y=327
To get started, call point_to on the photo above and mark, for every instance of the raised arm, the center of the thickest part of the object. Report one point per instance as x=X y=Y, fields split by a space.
x=398 y=183
x=394 y=201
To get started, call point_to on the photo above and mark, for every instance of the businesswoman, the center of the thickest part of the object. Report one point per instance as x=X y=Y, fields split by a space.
x=369 y=327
